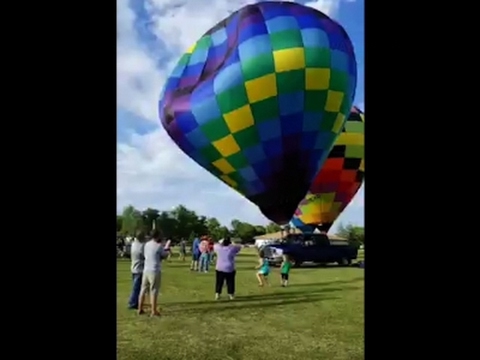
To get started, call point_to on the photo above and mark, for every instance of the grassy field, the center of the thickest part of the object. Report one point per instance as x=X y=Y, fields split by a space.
x=319 y=316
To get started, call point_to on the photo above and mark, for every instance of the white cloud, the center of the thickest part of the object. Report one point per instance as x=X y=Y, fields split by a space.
x=151 y=170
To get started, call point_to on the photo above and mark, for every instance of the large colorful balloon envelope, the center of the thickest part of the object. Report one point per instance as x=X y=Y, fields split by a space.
x=260 y=99
x=338 y=181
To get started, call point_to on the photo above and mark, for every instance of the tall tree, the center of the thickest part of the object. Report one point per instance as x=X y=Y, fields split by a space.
x=119 y=222
x=149 y=217
x=272 y=228
x=260 y=230
x=235 y=223
x=132 y=220
x=201 y=227
x=244 y=231
x=224 y=232
x=354 y=234
x=214 y=228
x=167 y=224
x=187 y=220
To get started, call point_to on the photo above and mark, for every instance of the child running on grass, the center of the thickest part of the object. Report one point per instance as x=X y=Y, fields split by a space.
x=263 y=269
x=285 y=270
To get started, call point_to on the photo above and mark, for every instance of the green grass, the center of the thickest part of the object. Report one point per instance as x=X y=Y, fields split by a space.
x=320 y=316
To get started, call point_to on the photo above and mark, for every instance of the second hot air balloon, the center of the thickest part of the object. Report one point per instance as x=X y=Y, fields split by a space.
x=339 y=179
x=260 y=98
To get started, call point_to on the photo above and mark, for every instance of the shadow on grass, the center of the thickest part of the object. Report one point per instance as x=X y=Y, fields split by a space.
x=323 y=266
x=291 y=294
x=278 y=298
x=253 y=303
x=328 y=283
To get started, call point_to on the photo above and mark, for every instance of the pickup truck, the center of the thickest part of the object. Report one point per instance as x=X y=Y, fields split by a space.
x=316 y=248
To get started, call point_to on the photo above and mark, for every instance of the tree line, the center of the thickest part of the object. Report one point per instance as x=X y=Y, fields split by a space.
x=182 y=222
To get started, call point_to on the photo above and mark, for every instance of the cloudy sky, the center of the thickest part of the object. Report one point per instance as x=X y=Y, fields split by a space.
x=151 y=171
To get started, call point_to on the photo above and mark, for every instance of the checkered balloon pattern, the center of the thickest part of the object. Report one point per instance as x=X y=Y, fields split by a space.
x=260 y=99
x=339 y=179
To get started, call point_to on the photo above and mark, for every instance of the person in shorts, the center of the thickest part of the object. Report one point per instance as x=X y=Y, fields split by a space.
x=285 y=270
x=263 y=269
x=154 y=252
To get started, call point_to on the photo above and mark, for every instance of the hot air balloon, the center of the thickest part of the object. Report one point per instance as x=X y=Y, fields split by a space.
x=260 y=98
x=338 y=181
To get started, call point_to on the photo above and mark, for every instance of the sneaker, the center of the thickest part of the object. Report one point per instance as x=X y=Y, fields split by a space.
x=231 y=297
x=217 y=296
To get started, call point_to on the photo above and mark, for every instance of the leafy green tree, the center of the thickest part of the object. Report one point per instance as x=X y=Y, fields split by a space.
x=132 y=220
x=149 y=217
x=260 y=230
x=272 y=228
x=224 y=232
x=354 y=234
x=246 y=232
x=168 y=224
x=214 y=228
x=200 y=226
x=186 y=220
x=119 y=223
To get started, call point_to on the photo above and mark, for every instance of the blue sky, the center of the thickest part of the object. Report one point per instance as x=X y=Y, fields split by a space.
x=151 y=171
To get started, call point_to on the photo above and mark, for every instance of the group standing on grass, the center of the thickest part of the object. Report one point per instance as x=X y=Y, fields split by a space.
x=202 y=254
x=146 y=269
x=146 y=258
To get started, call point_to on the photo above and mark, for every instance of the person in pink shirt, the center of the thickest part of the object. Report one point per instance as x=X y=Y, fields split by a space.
x=204 y=257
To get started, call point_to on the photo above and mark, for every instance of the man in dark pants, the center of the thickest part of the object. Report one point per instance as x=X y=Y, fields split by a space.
x=195 y=254
x=137 y=258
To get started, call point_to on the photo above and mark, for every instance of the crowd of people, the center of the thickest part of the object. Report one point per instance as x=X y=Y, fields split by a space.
x=147 y=253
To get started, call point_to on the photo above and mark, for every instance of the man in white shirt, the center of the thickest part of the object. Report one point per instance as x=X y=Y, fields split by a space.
x=154 y=252
x=137 y=259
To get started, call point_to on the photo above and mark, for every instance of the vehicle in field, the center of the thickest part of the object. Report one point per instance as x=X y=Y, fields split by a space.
x=314 y=248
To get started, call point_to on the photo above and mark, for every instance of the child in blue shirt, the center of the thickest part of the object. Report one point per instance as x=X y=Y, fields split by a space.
x=263 y=269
